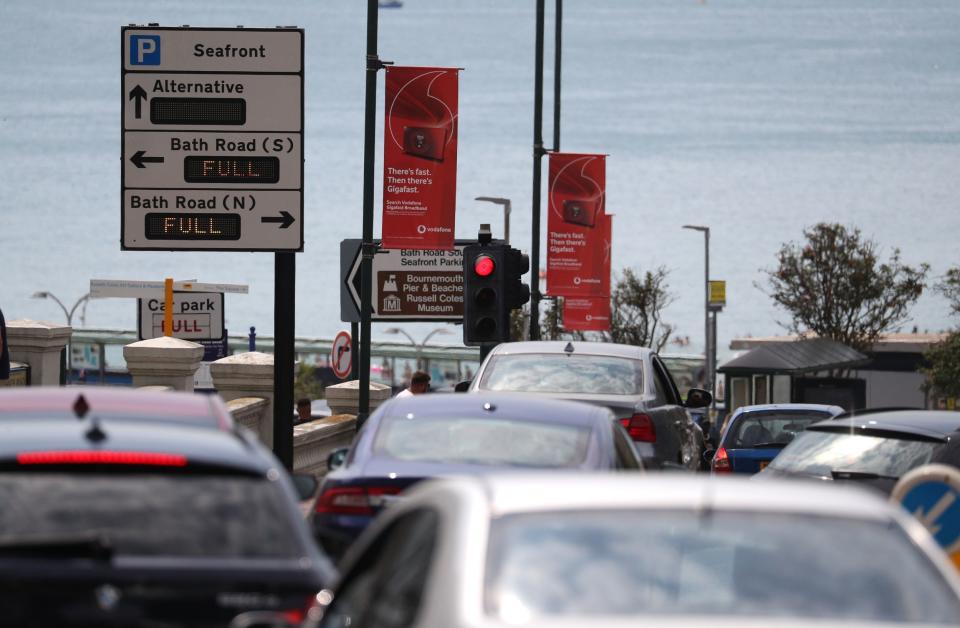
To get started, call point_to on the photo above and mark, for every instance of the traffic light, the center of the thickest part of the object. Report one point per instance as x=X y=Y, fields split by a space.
x=492 y=286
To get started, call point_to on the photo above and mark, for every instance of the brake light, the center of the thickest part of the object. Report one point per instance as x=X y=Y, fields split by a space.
x=721 y=462
x=102 y=457
x=353 y=500
x=640 y=427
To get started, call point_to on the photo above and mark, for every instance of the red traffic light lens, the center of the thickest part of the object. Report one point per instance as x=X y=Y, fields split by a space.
x=483 y=266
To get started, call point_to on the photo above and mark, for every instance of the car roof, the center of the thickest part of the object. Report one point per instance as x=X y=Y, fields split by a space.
x=483 y=404
x=922 y=422
x=579 y=348
x=199 y=410
x=536 y=492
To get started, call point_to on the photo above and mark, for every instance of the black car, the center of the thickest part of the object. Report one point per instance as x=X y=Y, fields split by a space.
x=426 y=436
x=874 y=449
x=129 y=508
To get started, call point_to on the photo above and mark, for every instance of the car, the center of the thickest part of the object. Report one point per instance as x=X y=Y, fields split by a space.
x=874 y=449
x=424 y=436
x=123 y=507
x=658 y=550
x=632 y=381
x=754 y=435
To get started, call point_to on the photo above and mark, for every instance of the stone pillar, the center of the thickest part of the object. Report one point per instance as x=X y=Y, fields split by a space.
x=345 y=398
x=164 y=361
x=248 y=375
x=40 y=345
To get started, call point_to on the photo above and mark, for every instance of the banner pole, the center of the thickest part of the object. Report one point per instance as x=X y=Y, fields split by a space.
x=367 y=245
x=557 y=47
x=168 y=306
x=538 y=153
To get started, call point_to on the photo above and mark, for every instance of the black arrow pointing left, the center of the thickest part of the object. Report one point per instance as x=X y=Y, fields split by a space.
x=139 y=159
x=285 y=219
x=138 y=95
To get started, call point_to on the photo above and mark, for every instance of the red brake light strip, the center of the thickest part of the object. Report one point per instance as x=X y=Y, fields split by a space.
x=102 y=457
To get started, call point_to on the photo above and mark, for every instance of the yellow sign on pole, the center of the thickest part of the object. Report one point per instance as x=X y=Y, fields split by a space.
x=718 y=293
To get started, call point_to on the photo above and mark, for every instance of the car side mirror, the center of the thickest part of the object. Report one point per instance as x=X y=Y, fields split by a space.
x=306 y=485
x=698 y=398
x=463 y=386
x=337 y=457
x=708 y=455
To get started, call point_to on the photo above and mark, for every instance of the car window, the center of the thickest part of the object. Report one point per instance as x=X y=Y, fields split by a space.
x=553 y=373
x=819 y=453
x=756 y=428
x=666 y=392
x=485 y=441
x=151 y=515
x=386 y=585
x=626 y=455
x=661 y=562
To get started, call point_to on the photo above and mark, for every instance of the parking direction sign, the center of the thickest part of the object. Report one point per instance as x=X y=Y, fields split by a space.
x=212 y=150
x=196 y=316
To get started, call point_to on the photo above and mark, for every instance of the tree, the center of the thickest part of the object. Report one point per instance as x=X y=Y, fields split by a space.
x=943 y=359
x=636 y=308
x=306 y=384
x=834 y=285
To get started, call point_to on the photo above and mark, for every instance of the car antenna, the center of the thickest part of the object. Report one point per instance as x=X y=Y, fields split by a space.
x=569 y=348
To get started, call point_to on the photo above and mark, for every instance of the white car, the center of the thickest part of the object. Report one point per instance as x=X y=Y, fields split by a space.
x=604 y=550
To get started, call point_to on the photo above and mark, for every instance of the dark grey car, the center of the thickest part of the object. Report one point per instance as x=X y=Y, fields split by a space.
x=631 y=381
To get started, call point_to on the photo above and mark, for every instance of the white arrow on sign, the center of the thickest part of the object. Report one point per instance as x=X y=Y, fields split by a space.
x=131 y=288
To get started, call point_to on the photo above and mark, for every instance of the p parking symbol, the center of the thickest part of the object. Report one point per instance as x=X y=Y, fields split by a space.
x=144 y=50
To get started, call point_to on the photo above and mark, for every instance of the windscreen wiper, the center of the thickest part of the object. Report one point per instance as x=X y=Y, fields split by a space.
x=840 y=474
x=94 y=546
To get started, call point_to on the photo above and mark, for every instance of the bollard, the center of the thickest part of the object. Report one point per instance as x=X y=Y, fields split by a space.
x=252 y=339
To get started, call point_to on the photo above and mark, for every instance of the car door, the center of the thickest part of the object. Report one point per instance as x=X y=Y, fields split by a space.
x=681 y=445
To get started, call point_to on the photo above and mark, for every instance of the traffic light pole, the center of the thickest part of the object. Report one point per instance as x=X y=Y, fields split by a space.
x=368 y=246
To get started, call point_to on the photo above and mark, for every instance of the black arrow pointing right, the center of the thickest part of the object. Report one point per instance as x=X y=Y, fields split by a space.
x=285 y=219
x=139 y=159
x=139 y=95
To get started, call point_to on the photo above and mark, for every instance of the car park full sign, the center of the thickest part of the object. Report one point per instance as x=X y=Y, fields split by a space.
x=931 y=493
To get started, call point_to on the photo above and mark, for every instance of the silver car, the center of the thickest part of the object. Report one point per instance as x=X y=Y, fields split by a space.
x=669 y=550
x=632 y=381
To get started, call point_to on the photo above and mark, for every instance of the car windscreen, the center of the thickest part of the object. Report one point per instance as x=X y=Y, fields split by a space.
x=145 y=514
x=771 y=428
x=821 y=453
x=484 y=441
x=662 y=562
x=554 y=373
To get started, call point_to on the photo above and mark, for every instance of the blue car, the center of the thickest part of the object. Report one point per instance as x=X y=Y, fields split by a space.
x=426 y=436
x=754 y=435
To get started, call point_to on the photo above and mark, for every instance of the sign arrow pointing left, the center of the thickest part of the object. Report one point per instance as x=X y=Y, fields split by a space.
x=138 y=95
x=139 y=159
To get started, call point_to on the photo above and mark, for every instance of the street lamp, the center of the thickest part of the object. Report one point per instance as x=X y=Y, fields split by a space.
x=418 y=347
x=506 y=213
x=43 y=294
x=710 y=346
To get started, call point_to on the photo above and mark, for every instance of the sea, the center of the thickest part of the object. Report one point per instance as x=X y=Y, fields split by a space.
x=754 y=118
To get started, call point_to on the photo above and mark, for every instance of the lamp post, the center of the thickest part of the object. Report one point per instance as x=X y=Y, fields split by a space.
x=43 y=294
x=505 y=202
x=710 y=347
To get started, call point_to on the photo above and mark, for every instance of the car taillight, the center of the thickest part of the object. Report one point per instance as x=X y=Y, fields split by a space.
x=721 y=462
x=640 y=427
x=102 y=457
x=353 y=500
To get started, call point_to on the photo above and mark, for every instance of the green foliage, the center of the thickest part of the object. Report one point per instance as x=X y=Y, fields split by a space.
x=306 y=384
x=949 y=287
x=835 y=286
x=944 y=370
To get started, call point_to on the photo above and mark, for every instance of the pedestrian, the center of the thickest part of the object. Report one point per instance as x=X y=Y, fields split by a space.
x=4 y=350
x=303 y=410
x=419 y=384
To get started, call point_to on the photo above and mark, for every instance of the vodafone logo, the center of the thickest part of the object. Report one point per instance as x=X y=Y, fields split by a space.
x=576 y=281
x=421 y=229
x=589 y=317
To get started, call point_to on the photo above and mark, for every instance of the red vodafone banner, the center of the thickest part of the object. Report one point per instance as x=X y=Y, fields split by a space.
x=586 y=314
x=420 y=158
x=578 y=253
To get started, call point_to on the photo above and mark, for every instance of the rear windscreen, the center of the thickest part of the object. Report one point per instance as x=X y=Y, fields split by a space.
x=150 y=515
x=754 y=429
x=553 y=373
